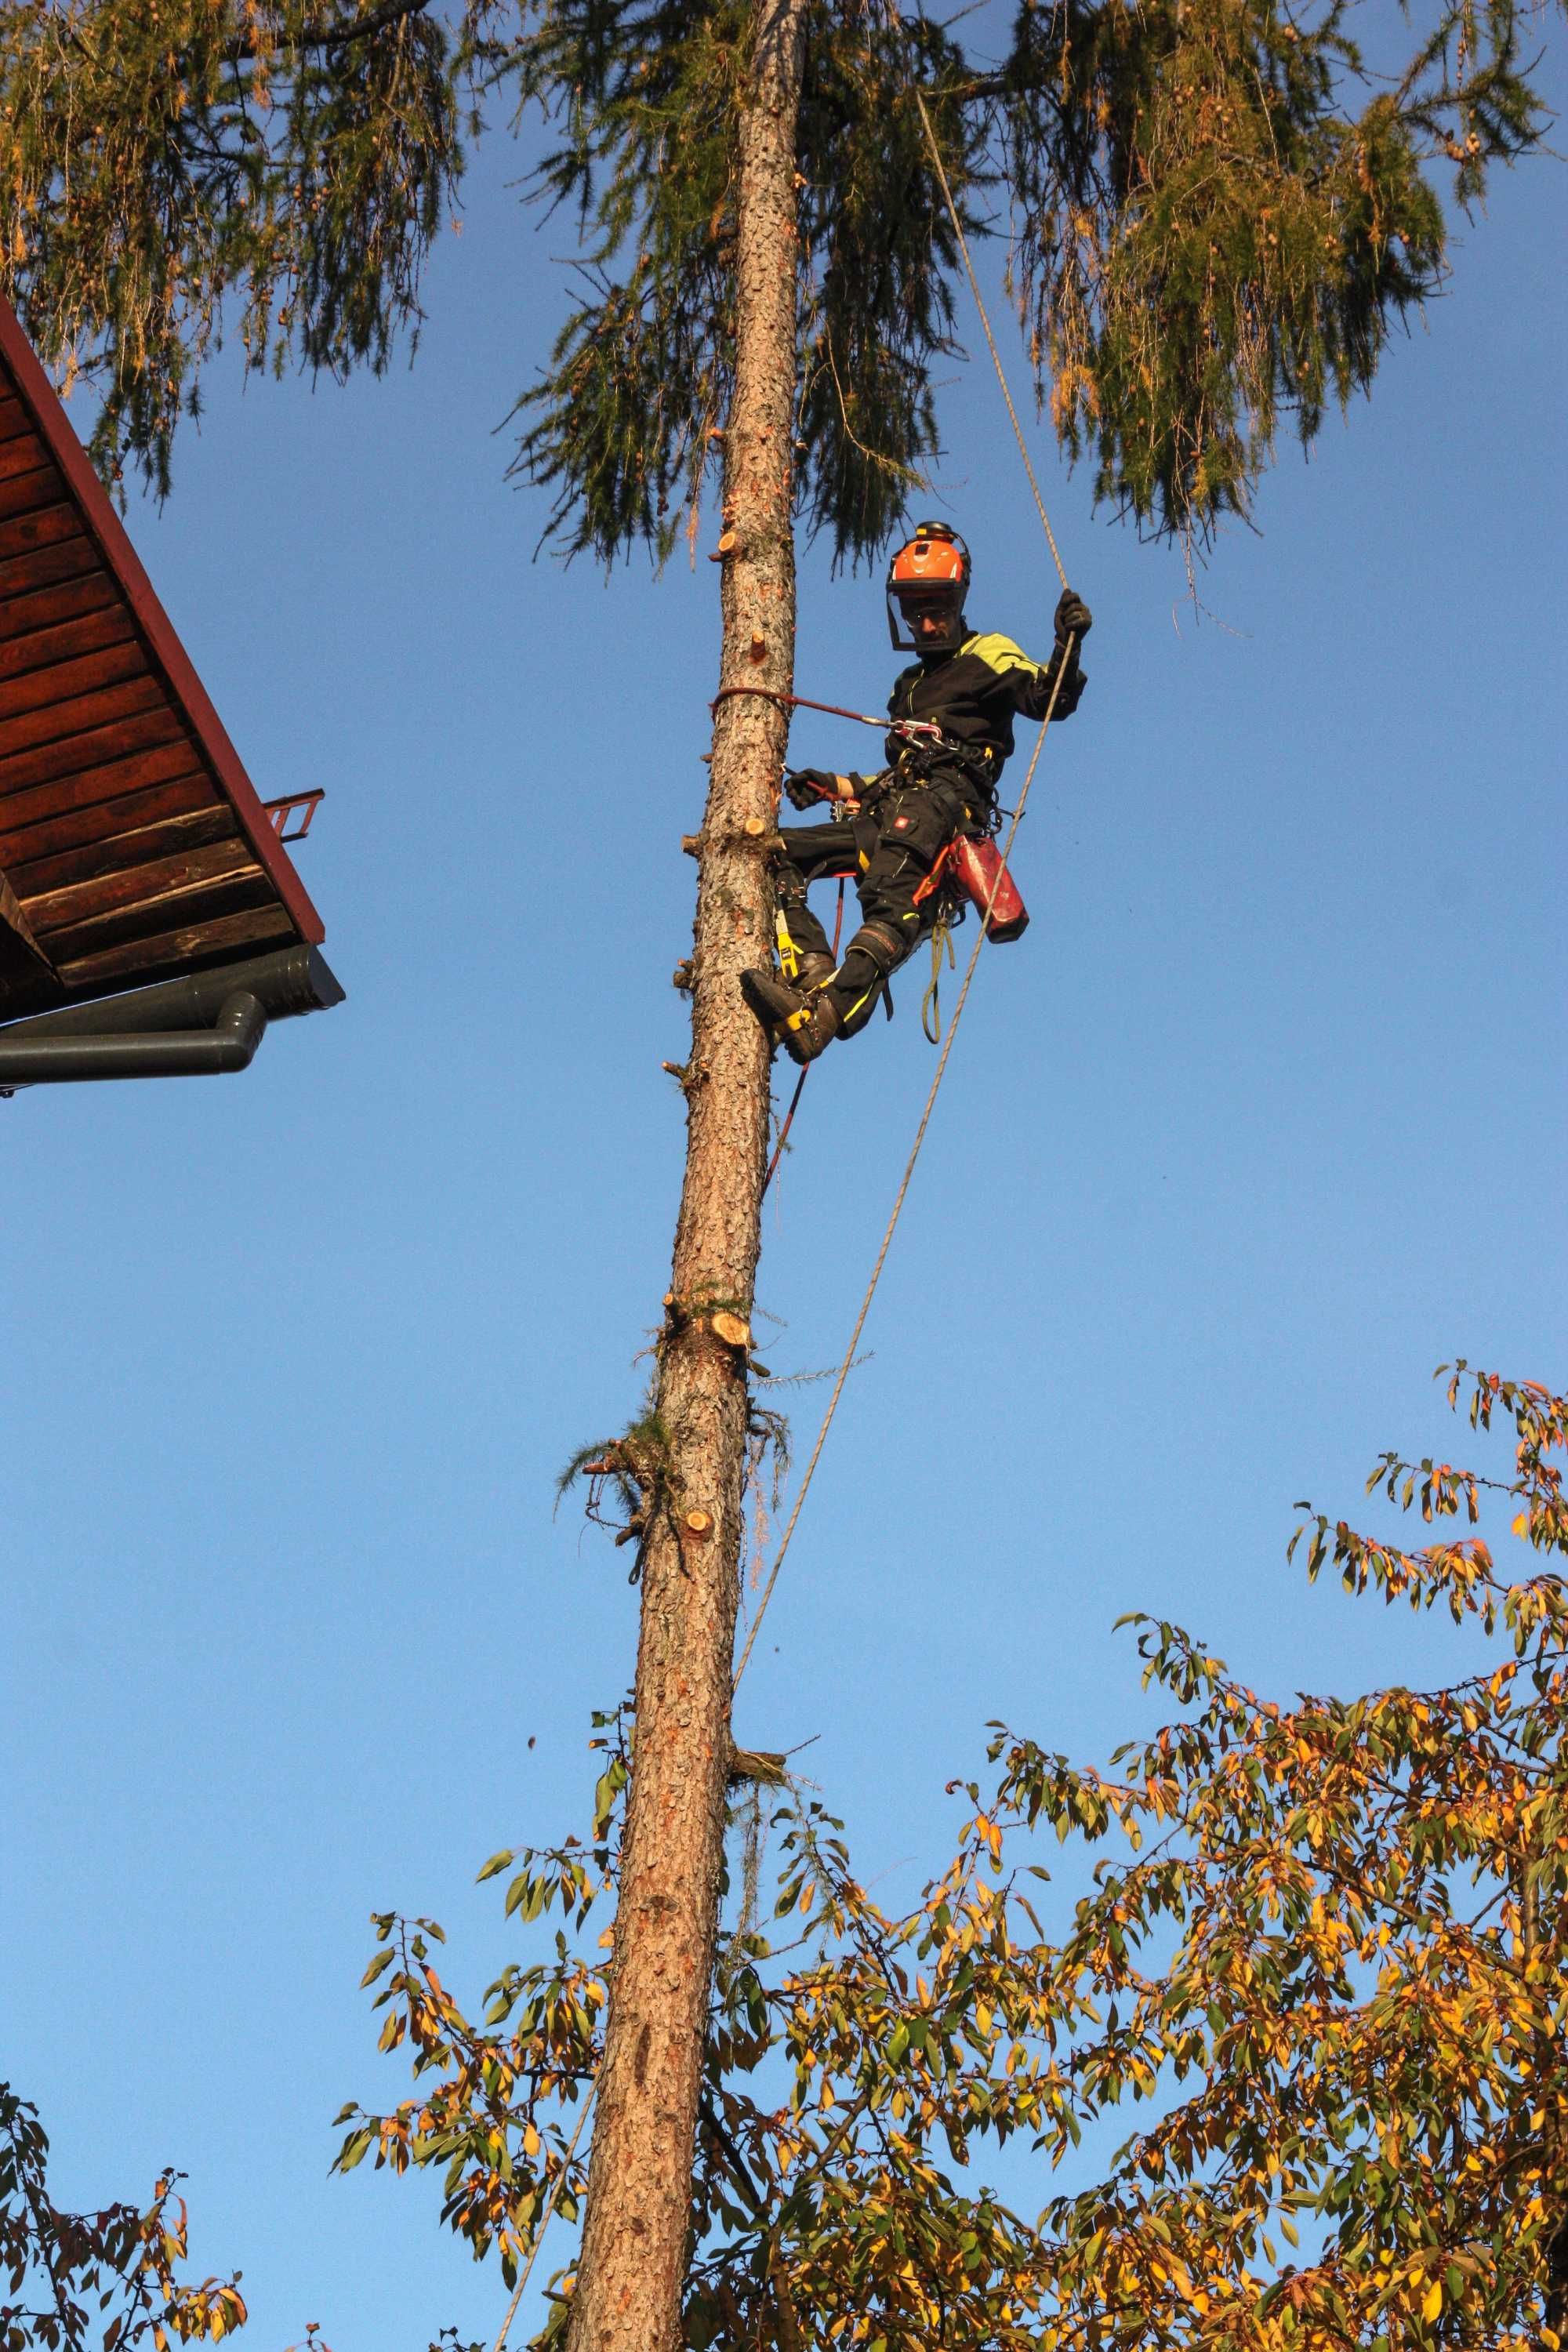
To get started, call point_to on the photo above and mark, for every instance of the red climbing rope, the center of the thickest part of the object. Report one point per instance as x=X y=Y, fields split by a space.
x=924 y=730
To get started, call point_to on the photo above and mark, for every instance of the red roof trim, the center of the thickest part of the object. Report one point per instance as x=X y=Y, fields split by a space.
x=185 y=688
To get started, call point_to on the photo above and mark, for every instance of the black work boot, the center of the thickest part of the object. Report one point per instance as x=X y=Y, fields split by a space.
x=803 y=1021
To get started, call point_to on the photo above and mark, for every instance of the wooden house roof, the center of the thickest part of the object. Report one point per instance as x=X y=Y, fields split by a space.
x=133 y=845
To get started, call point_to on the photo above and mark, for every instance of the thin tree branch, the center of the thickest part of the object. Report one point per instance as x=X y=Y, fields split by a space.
x=337 y=36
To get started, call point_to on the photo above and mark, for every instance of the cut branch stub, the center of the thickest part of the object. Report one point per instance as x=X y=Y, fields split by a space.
x=697 y=1526
x=733 y=1329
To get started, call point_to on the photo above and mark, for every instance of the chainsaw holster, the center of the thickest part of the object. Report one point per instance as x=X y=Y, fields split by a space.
x=977 y=868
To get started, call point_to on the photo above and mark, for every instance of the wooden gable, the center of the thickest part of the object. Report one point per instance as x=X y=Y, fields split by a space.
x=133 y=845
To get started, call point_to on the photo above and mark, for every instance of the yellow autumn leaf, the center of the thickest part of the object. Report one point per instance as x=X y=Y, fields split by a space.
x=1521 y=1523
x=1434 y=2303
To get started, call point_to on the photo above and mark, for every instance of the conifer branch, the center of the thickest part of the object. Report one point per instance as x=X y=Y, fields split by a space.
x=337 y=36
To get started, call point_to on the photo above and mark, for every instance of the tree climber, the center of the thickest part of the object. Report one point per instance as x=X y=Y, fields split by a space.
x=951 y=712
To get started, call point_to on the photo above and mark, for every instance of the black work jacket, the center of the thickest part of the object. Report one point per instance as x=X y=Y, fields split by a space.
x=972 y=693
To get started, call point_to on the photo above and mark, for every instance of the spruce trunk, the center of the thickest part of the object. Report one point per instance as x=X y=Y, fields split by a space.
x=634 y=2255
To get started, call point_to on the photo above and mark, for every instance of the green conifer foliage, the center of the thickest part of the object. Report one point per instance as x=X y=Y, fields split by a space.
x=642 y=372
x=165 y=157
x=880 y=262
x=1214 y=215
x=1205 y=238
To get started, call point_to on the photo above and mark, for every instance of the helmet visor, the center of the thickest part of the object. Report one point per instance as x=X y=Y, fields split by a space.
x=930 y=613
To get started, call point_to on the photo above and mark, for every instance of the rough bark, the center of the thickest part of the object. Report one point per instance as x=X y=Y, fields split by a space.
x=635 y=2252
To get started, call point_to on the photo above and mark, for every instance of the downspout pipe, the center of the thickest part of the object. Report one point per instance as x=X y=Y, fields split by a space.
x=229 y=1044
x=202 y=1026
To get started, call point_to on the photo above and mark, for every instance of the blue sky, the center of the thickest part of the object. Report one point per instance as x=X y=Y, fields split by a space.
x=1263 y=1119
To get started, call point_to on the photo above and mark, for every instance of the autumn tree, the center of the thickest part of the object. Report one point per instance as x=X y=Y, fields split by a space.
x=103 y=2281
x=1306 y=2016
x=1214 y=216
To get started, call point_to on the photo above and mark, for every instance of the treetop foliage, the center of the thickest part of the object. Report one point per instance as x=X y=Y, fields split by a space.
x=1298 y=2044
x=1213 y=214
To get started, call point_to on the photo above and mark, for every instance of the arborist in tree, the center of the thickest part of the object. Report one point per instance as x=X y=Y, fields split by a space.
x=952 y=731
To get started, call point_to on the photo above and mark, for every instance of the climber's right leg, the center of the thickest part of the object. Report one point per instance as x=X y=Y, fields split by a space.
x=789 y=1002
x=811 y=854
x=805 y=959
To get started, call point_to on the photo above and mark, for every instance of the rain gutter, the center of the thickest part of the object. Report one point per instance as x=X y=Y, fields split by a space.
x=202 y=1026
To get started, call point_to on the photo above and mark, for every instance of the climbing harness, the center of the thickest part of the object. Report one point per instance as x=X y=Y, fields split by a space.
x=967 y=867
x=992 y=902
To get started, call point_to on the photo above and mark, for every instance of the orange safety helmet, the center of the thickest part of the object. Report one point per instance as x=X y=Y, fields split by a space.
x=928 y=580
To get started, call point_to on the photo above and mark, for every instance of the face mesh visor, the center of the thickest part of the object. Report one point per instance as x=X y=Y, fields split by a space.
x=940 y=604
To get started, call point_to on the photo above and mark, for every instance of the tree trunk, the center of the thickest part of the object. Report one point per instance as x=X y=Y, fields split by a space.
x=634 y=2254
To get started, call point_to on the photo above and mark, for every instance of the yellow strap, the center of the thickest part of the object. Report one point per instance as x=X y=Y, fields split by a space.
x=930 y=1002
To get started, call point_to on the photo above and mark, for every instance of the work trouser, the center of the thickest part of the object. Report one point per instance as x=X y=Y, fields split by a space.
x=889 y=848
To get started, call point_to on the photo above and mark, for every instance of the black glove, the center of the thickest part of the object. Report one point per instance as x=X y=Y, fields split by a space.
x=804 y=787
x=1074 y=618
